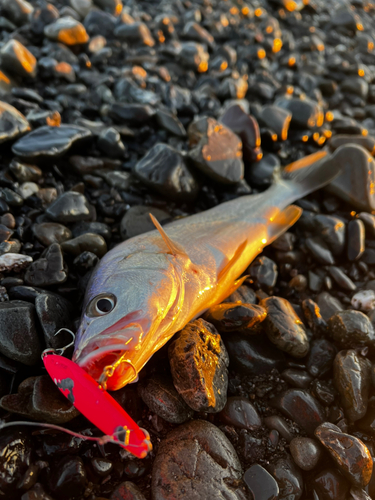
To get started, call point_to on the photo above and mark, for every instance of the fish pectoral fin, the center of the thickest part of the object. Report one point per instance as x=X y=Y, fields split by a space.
x=237 y=255
x=173 y=247
x=282 y=222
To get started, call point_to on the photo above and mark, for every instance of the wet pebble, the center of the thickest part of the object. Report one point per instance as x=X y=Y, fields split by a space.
x=54 y=312
x=356 y=239
x=195 y=461
x=229 y=317
x=288 y=477
x=164 y=169
x=199 y=362
x=12 y=123
x=352 y=378
x=262 y=485
x=70 y=207
x=19 y=335
x=331 y=485
x=284 y=328
x=253 y=355
x=240 y=413
x=67 y=30
x=51 y=232
x=297 y=378
x=49 y=269
x=320 y=358
x=300 y=406
x=18 y=60
x=127 y=491
x=332 y=230
x=216 y=150
x=350 y=454
x=319 y=250
x=162 y=398
x=46 y=142
x=14 y=444
x=306 y=452
x=341 y=278
x=68 y=477
x=364 y=300
x=328 y=305
x=92 y=242
x=264 y=272
x=351 y=329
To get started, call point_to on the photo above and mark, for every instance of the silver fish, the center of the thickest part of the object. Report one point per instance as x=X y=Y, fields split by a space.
x=149 y=287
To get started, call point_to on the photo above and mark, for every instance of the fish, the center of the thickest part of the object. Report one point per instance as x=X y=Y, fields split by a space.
x=150 y=286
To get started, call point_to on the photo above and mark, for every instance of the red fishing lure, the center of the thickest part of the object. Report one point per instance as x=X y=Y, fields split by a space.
x=96 y=404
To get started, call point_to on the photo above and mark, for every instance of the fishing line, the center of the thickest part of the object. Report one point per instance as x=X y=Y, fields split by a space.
x=100 y=440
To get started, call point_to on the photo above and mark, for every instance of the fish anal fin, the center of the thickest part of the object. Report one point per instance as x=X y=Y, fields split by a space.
x=282 y=222
x=174 y=248
x=237 y=284
x=237 y=255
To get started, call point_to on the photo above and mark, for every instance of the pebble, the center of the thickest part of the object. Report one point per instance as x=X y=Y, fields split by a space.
x=137 y=220
x=332 y=230
x=247 y=129
x=288 y=477
x=92 y=242
x=239 y=412
x=328 y=305
x=51 y=232
x=277 y=119
x=24 y=172
x=262 y=172
x=232 y=317
x=136 y=32
x=306 y=113
x=261 y=484
x=306 y=453
x=19 y=335
x=320 y=357
x=313 y=317
x=164 y=170
x=351 y=329
x=68 y=477
x=341 y=278
x=280 y=425
x=127 y=491
x=12 y=123
x=284 y=328
x=48 y=270
x=216 y=150
x=199 y=362
x=297 y=378
x=54 y=312
x=14 y=443
x=356 y=239
x=253 y=355
x=364 y=300
x=349 y=453
x=354 y=189
x=301 y=407
x=159 y=394
x=196 y=461
x=70 y=207
x=264 y=272
x=319 y=250
x=14 y=261
x=330 y=484
x=18 y=11
x=352 y=379
x=67 y=30
x=46 y=142
x=18 y=60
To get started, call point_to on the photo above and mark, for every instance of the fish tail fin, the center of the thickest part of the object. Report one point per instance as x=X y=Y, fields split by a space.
x=307 y=174
x=282 y=222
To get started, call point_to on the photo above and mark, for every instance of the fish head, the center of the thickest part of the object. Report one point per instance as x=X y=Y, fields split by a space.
x=125 y=316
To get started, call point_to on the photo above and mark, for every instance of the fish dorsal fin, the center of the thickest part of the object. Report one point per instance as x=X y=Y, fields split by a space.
x=174 y=248
x=237 y=255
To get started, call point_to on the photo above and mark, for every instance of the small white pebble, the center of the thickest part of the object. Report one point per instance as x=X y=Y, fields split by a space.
x=364 y=300
x=10 y=261
x=27 y=189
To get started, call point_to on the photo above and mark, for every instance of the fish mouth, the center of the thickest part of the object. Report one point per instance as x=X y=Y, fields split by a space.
x=96 y=357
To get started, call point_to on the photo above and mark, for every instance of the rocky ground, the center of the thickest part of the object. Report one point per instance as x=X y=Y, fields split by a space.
x=110 y=110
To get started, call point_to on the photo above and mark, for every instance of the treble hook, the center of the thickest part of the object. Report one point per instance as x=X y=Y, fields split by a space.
x=60 y=351
x=109 y=370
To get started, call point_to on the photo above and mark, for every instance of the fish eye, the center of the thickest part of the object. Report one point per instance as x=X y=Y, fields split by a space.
x=101 y=305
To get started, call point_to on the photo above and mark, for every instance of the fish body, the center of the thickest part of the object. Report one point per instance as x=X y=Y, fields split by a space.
x=149 y=287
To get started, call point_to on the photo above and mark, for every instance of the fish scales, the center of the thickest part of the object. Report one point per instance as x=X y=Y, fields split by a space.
x=150 y=286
